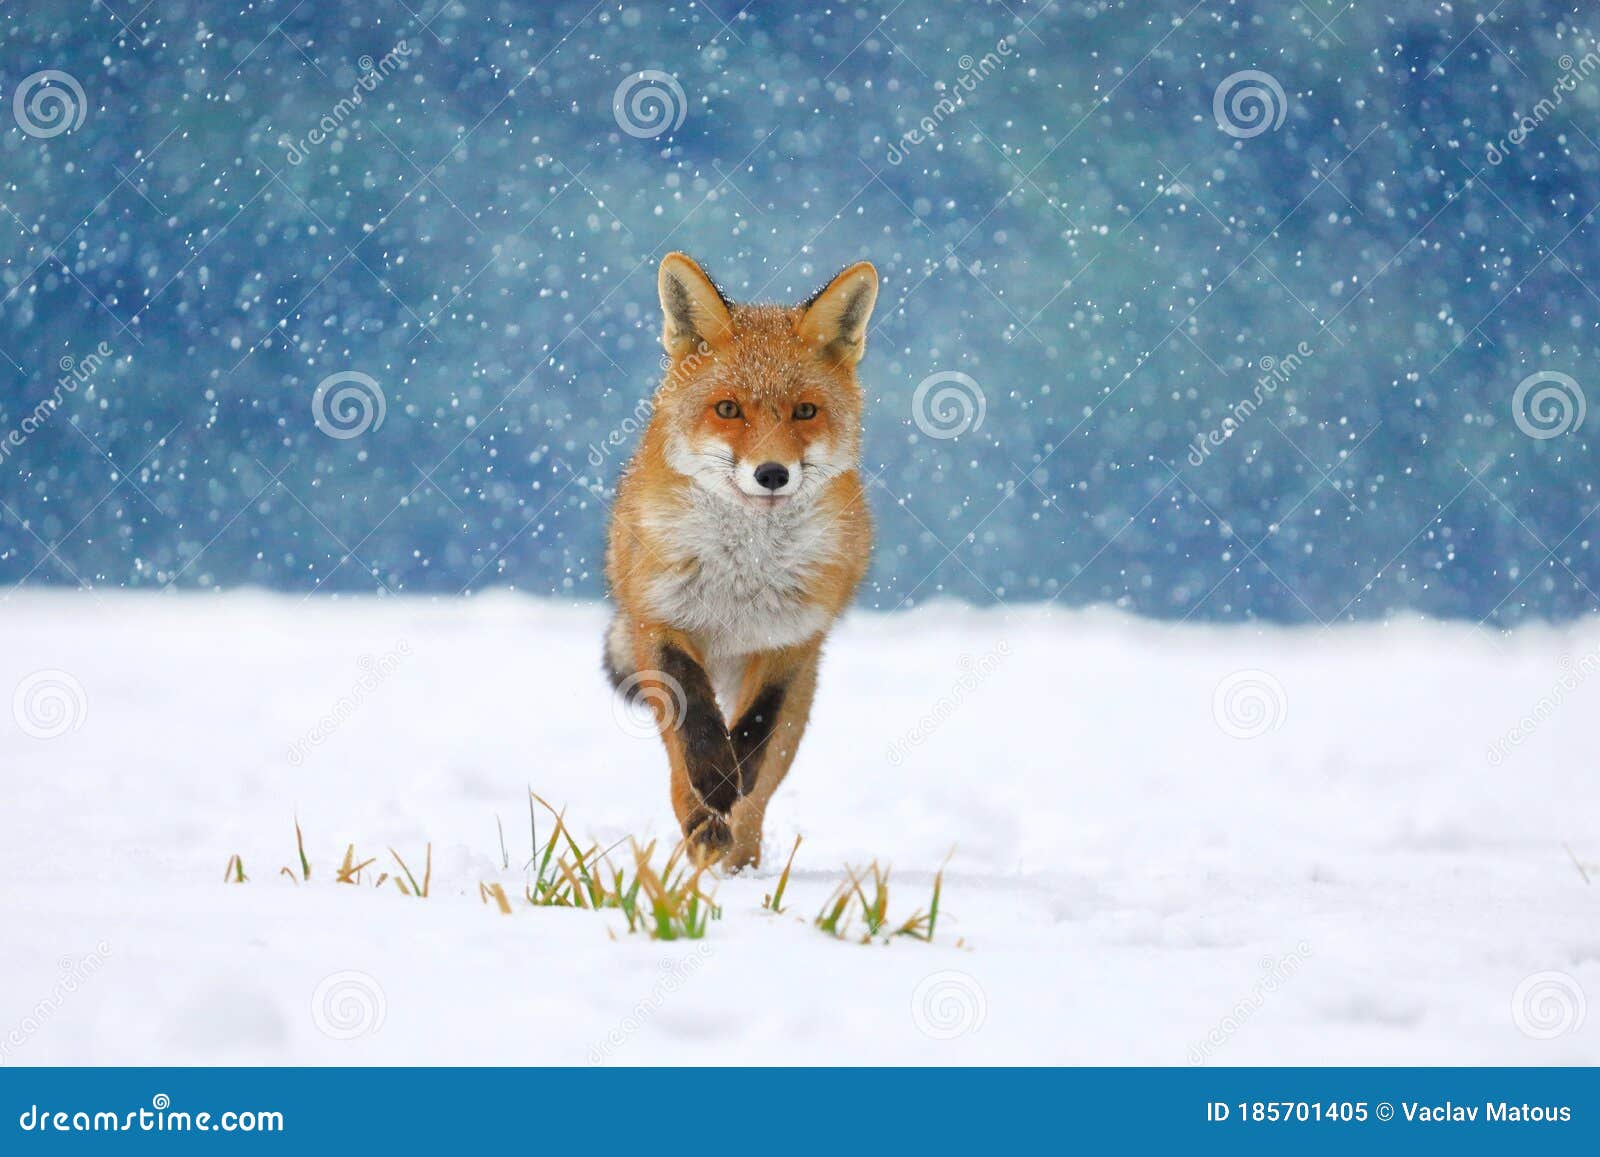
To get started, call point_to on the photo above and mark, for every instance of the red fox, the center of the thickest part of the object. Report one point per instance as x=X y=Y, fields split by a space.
x=739 y=535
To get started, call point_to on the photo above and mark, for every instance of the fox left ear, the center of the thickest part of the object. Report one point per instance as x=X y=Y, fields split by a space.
x=836 y=318
x=693 y=309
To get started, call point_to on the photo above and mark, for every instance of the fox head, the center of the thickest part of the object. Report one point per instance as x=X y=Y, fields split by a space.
x=760 y=404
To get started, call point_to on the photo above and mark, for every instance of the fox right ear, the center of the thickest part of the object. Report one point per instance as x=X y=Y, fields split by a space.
x=693 y=310
x=835 y=319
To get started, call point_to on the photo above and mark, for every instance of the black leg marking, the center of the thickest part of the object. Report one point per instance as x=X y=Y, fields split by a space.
x=751 y=733
x=713 y=770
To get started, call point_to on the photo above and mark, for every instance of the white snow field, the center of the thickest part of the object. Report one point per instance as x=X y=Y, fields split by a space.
x=1131 y=883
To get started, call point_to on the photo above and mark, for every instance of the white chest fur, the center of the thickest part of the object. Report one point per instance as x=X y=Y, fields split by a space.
x=742 y=576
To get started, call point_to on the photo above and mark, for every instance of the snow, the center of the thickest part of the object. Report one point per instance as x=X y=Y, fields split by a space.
x=1362 y=876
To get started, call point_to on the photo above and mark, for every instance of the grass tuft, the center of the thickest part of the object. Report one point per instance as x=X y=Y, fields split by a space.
x=864 y=895
x=349 y=872
x=666 y=903
x=676 y=907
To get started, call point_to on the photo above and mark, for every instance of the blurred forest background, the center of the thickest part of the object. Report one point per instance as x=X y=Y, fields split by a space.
x=1100 y=227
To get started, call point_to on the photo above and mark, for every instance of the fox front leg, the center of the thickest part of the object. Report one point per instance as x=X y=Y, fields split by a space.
x=774 y=704
x=705 y=764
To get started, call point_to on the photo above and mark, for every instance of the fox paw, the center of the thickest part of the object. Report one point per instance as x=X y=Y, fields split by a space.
x=741 y=857
x=709 y=838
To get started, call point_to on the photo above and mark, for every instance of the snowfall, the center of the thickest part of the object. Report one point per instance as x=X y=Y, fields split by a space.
x=1167 y=843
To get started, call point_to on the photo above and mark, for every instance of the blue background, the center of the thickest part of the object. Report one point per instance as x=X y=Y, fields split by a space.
x=1079 y=236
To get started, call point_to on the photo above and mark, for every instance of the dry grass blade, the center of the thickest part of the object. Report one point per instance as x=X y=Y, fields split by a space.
x=1577 y=863
x=774 y=902
x=577 y=886
x=300 y=843
x=546 y=888
x=915 y=927
x=495 y=892
x=234 y=872
x=874 y=909
x=418 y=890
x=834 y=917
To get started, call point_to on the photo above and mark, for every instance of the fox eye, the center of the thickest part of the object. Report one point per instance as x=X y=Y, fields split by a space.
x=728 y=409
x=805 y=411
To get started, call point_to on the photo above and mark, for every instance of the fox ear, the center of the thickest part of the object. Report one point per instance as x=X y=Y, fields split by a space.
x=836 y=318
x=693 y=310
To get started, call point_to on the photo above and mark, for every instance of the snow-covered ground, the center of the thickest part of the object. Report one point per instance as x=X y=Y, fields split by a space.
x=1134 y=880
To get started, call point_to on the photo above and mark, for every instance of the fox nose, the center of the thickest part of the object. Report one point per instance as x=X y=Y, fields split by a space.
x=772 y=475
